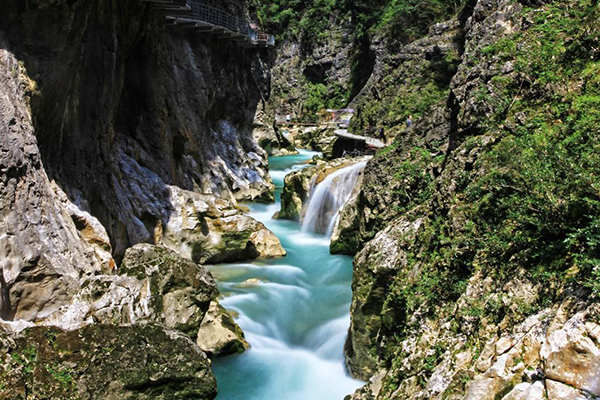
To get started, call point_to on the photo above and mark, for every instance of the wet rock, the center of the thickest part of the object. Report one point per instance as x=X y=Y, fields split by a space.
x=219 y=335
x=320 y=138
x=103 y=362
x=299 y=185
x=267 y=244
x=343 y=238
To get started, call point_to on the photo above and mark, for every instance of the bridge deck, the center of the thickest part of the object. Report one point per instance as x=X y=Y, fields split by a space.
x=372 y=142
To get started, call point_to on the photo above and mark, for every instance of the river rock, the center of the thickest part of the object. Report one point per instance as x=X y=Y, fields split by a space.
x=267 y=244
x=208 y=229
x=153 y=284
x=145 y=362
x=343 y=238
x=219 y=335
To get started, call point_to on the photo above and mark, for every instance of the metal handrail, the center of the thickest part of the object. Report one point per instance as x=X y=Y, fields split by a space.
x=206 y=13
x=353 y=153
x=214 y=16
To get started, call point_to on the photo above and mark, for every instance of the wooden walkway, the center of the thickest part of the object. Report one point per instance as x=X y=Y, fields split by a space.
x=203 y=18
x=370 y=142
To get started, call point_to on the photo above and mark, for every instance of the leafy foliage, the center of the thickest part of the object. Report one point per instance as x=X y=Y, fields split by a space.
x=402 y=19
x=531 y=201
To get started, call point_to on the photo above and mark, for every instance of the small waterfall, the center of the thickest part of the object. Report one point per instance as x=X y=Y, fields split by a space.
x=328 y=198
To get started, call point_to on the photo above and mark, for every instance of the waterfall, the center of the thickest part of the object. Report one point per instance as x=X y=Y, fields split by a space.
x=328 y=198
x=295 y=313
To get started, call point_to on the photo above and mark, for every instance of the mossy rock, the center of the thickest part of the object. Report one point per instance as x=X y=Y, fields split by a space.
x=104 y=362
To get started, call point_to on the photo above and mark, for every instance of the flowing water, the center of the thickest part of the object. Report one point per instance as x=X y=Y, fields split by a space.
x=294 y=311
x=328 y=197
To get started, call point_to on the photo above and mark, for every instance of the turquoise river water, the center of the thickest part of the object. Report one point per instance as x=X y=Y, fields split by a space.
x=296 y=319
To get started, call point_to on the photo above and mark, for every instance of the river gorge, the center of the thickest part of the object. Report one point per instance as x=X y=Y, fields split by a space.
x=436 y=237
x=294 y=310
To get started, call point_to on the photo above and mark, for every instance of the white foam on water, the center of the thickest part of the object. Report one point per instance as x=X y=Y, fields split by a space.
x=328 y=197
x=296 y=316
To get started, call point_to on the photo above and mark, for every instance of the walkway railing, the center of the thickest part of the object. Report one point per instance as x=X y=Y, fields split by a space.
x=192 y=14
x=353 y=153
x=214 y=16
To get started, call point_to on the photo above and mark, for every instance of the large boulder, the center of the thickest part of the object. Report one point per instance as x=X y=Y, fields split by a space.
x=142 y=362
x=153 y=284
x=374 y=267
x=219 y=335
x=207 y=229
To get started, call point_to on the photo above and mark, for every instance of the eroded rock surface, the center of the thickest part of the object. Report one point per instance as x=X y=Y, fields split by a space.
x=219 y=335
x=114 y=155
x=211 y=230
x=43 y=253
x=153 y=284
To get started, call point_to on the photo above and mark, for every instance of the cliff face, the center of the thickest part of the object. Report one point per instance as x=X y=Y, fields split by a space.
x=477 y=271
x=41 y=246
x=123 y=107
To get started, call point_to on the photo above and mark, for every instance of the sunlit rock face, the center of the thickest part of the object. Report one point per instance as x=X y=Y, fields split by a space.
x=153 y=284
x=46 y=243
x=219 y=335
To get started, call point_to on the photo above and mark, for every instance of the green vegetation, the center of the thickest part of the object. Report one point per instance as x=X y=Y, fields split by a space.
x=310 y=24
x=296 y=18
x=310 y=20
x=538 y=204
x=410 y=19
x=26 y=358
x=520 y=196
x=63 y=375
x=414 y=179
x=321 y=97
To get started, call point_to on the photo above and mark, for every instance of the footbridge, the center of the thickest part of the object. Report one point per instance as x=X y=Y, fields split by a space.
x=369 y=142
x=204 y=18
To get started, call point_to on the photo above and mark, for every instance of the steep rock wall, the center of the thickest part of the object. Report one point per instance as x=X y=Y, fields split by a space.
x=125 y=106
x=472 y=283
x=44 y=254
